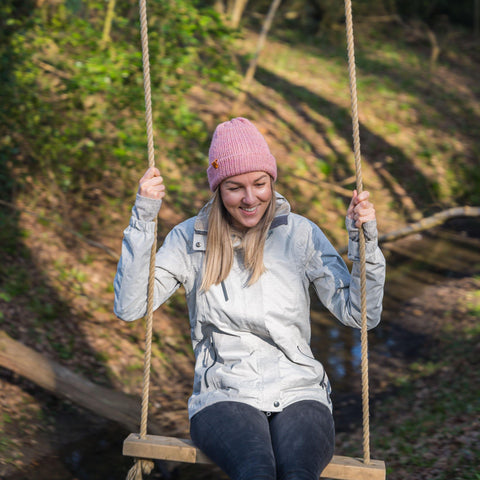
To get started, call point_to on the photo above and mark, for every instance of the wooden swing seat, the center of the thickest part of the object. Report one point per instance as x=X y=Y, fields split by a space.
x=182 y=450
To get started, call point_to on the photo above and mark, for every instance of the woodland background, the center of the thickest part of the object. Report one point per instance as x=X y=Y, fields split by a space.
x=73 y=145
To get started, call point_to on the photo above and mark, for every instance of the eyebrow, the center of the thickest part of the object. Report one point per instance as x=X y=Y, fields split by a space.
x=240 y=183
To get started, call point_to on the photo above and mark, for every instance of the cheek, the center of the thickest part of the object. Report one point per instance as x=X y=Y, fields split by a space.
x=229 y=199
x=266 y=194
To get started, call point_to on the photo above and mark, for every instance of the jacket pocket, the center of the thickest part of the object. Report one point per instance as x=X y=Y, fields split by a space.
x=310 y=358
x=310 y=361
x=325 y=384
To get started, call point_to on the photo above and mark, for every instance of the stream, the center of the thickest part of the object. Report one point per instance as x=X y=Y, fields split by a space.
x=452 y=251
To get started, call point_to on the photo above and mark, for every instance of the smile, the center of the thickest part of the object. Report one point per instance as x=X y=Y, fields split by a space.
x=250 y=210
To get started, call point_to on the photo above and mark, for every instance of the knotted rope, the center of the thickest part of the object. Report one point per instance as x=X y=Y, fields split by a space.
x=143 y=465
x=363 y=271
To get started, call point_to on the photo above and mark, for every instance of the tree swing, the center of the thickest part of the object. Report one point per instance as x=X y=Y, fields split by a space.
x=144 y=447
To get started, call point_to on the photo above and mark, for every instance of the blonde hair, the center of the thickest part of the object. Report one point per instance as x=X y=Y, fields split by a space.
x=223 y=239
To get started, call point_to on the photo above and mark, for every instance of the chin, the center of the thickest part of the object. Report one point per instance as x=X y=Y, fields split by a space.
x=247 y=224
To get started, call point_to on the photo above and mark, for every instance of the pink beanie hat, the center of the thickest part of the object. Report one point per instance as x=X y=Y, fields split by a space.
x=238 y=147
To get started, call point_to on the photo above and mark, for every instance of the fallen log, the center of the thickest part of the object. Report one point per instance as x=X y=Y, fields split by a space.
x=426 y=223
x=111 y=404
x=429 y=222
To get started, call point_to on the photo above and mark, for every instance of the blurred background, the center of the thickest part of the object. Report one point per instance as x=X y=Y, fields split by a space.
x=73 y=146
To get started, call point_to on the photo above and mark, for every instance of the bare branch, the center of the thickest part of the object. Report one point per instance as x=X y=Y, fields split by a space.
x=430 y=222
x=50 y=68
x=329 y=186
x=425 y=224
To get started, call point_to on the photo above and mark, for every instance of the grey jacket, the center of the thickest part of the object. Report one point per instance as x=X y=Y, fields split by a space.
x=251 y=343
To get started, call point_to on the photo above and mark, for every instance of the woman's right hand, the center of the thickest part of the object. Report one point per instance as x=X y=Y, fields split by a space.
x=151 y=184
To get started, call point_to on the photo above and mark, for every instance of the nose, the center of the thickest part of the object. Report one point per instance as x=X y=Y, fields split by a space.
x=248 y=197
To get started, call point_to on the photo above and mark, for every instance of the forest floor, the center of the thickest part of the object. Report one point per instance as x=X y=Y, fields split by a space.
x=58 y=299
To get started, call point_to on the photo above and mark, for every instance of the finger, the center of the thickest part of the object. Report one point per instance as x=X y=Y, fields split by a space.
x=152 y=187
x=150 y=173
x=351 y=206
x=364 y=207
x=152 y=181
x=157 y=191
x=364 y=217
x=153 y=172
x=361 y=197
x=365 y=214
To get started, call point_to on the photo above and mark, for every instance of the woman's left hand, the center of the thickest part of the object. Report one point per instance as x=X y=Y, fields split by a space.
x=361 y=210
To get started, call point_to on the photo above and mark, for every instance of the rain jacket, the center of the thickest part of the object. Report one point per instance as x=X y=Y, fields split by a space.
x=251 y=343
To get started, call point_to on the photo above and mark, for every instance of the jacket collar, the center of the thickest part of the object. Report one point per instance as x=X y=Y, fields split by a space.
x=201 y=221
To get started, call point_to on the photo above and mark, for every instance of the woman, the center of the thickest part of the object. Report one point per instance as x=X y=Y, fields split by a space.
x=261 y=405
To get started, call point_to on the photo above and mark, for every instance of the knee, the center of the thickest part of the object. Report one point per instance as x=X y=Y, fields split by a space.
x=258 y=466
x=258 y=475
x=298 y=474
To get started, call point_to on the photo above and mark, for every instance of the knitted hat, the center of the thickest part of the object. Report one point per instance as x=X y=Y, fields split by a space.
x=238 y=147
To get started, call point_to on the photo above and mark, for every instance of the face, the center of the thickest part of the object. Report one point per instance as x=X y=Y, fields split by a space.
x=246 y=198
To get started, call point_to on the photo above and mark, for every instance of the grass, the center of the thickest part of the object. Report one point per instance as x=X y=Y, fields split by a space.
x=408 y=109
x=473 y=305
x=428 y=427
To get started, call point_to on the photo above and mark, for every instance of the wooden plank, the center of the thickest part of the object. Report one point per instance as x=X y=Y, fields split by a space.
x=163 y=448
x=182 y=450
x=347 y=468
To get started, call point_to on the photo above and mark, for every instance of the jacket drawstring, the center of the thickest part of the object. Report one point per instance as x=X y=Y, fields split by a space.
x=224 y=288
x=213 y=363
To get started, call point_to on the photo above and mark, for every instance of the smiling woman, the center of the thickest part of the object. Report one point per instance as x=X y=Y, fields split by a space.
x=260 y=406
x=246 y=198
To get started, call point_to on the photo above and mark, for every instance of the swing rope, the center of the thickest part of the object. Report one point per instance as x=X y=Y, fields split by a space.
x=145 y=466
x=363 y=271
x=142 y=465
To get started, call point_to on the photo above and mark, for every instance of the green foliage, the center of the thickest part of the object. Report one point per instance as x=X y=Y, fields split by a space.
x=456 y=12
x=73 y=106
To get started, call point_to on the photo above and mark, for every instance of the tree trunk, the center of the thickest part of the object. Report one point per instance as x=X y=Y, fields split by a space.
x=476 y=18
x=107 y=26
x=62 y=382
x=236 y=13
x=219 y=7
x=253 y=62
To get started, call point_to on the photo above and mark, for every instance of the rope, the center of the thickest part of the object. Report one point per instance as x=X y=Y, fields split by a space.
x=363 y=273
x=143 y=465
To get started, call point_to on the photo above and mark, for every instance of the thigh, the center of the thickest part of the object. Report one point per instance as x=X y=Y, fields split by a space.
x=236 y=437
x=303 y=437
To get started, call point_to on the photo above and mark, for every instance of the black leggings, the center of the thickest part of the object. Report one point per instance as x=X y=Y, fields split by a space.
x=248 y=444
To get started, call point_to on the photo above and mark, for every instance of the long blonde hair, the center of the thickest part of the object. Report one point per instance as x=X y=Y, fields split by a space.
x=223 y=239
